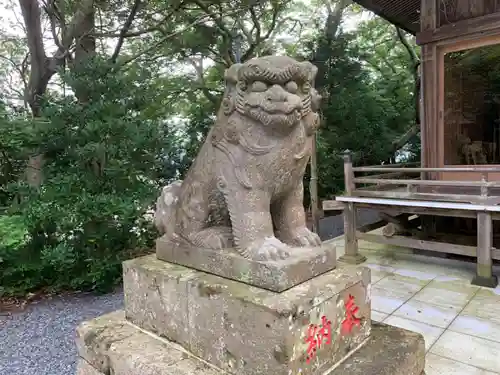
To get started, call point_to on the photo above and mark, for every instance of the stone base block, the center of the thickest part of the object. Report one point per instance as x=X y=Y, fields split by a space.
x=85 y=368
x=352 y=259
x=111 y=345
x=277 y=276
x=487 y=282
x=246 y=330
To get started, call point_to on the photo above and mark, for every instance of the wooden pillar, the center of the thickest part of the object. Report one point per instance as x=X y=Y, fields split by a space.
x=429 y=89
x=429 y=101
x=428 y=14
x=313 y=186
x=484 y=275
x=351 y=256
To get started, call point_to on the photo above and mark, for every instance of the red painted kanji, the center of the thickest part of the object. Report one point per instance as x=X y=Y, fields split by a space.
x=317 y=336
x=350 y=316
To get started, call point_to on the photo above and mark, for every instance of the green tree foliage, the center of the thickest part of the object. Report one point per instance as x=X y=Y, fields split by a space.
x=105 y=161
x=368 y=100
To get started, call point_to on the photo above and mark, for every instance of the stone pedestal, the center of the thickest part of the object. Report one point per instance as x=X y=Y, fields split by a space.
x=112 y=345
x=274 y=275
x=180 y=320
x=247 y=330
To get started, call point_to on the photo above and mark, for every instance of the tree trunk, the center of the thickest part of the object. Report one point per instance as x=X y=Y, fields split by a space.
x=323 y=50
x=85 y=49
x=39 y=63
x=42 y=68
x=38 y=79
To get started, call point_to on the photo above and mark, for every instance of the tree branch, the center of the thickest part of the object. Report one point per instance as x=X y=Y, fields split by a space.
x=277 y=7
x=38 y=79
x=218 y=20
x=53 y=15
x=86 y=7
x=415 y=71
x=198 y=67
x=125 y=29
x=413 y=55
x=128 y=34
x=166 y=37
x=43 y=68
x=256 y=22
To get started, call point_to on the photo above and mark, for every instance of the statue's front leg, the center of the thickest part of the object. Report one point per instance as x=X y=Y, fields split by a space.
x=290 y=219
x=252 y=224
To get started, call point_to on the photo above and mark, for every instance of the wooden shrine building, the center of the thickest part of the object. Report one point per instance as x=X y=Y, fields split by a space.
x=451 y=202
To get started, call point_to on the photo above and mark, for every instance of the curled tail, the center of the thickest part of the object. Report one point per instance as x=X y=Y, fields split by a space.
x=164 y=218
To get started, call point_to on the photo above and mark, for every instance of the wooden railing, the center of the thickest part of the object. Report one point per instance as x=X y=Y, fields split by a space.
x=420 y=196
x=392 y=184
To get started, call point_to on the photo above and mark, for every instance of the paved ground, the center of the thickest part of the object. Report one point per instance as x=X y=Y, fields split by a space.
x=433 y=296
x=40 y=340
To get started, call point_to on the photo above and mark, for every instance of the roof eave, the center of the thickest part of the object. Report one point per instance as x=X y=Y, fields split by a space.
x=368 y=4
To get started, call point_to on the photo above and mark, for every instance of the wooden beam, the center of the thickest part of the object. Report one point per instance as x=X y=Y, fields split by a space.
x=390 y=175
x=457 y=198
x=413 y=243
x=428 y=14
x=371 y=226
x=333 y=205
x=445 y=206
x=422 y=211
x=388 y=167
x=439 y=183
x=461 y=169
x=459 y=29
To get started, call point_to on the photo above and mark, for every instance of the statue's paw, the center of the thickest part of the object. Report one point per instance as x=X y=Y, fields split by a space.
x=303 y=237
x=269 y=248
x=214 y=238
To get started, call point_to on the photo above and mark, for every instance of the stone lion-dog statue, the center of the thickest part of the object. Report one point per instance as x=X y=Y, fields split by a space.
x=244 y=190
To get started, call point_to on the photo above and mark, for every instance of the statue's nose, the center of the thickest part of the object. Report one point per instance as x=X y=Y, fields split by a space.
x=276 y=94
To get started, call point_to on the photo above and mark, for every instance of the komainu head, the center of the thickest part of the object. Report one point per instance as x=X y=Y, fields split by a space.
x=275 y=91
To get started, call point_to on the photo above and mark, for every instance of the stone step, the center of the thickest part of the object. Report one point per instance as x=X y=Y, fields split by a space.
x=111 y=345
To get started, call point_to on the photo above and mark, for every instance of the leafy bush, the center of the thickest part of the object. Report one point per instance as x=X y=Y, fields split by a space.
x=104 y=161
x=13 y=239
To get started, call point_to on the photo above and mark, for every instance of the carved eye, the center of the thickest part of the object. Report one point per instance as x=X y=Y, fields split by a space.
x=259 y=86
x=242 y=85
x=306 y=87
x=291 y=87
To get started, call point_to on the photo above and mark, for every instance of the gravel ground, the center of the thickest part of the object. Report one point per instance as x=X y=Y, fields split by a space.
x=40 y=339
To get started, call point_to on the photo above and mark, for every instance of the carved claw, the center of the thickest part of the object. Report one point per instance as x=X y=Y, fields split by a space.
x=303 y=237
x=269 y=248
